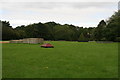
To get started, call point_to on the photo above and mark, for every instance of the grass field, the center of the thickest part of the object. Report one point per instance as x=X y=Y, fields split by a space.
x=66 y=60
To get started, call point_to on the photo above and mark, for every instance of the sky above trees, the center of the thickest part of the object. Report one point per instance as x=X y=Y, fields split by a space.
x=86 y=13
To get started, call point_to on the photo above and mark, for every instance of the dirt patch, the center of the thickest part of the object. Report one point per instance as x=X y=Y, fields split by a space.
x=4 y=41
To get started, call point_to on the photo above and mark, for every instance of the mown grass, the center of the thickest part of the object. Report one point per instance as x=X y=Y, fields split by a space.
x=66 y=60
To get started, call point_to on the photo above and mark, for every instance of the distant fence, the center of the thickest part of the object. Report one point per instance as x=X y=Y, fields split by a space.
x=16 y=41
x=33 y=40
x=28 y=40
x=104 y=41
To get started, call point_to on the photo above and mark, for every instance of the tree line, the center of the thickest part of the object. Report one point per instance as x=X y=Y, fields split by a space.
x=105 y=31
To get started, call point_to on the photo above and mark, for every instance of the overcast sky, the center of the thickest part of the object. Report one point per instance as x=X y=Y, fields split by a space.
x=86 y=13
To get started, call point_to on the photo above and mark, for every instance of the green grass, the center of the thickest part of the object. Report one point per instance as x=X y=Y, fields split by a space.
x=66 y=60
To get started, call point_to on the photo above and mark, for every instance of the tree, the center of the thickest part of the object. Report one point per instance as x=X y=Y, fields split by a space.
x=90 y=33
x=51 y=30
x=63 y=32
x=113 y=27
x=82 y=38
x=99 y=31
x=7 y=31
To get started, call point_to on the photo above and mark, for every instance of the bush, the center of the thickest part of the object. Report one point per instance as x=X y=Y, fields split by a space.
x=82 y=38
x=117 y=39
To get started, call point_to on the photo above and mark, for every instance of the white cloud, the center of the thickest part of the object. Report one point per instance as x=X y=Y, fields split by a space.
x=76 y=13
x=59 y=0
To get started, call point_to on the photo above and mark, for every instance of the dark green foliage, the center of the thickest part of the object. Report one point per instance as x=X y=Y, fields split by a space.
x=90 y=33
x=51 y=30
x=117 y=39
x=113 y=27
x=64 y=33
x=99 y=31
x=7 y=31
x=105 y=31
x=36 y=30
x=82 y=38
x=110 y=30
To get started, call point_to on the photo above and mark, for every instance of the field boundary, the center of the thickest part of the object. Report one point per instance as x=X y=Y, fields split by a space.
x=4 y=42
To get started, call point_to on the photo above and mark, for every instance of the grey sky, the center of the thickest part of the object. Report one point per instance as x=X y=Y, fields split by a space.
x=76 y=12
